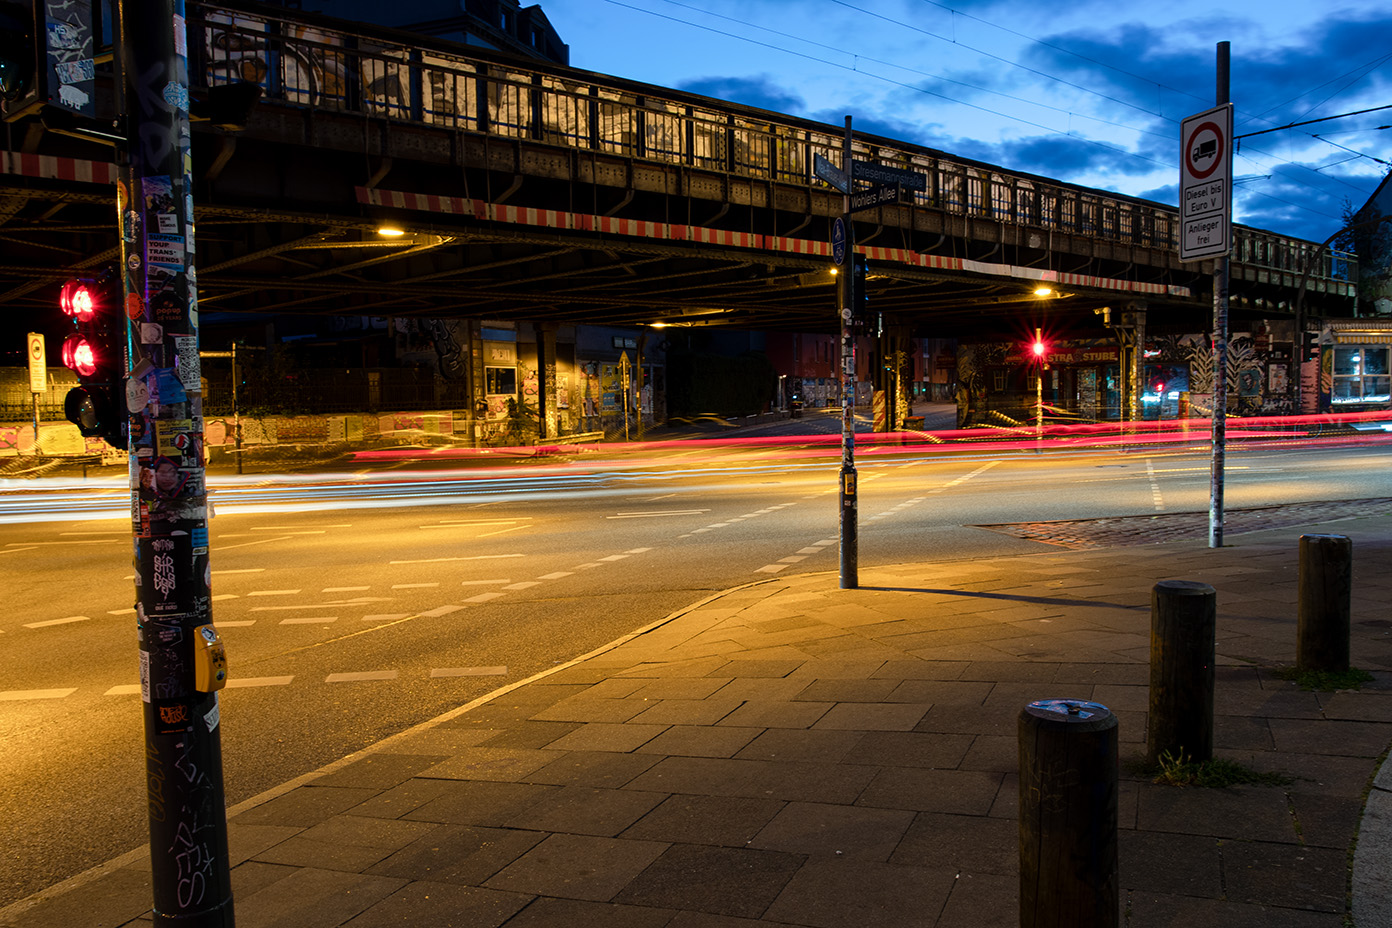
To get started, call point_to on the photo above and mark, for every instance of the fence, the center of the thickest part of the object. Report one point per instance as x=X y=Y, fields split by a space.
x=304 y=63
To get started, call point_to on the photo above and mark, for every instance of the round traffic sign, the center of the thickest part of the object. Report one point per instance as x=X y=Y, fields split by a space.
x=1203 y=150
x=838 y=241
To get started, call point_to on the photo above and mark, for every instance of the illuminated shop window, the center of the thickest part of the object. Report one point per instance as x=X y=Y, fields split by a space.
x=1361 y=375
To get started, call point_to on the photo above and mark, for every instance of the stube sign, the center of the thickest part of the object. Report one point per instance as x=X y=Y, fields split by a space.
x=1205 y=184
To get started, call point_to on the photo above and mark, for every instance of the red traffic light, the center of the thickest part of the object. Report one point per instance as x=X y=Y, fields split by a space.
x=79 y=355
x=1038 y=348
x=78 y=300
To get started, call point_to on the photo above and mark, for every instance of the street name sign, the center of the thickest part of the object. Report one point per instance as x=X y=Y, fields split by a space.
x=874 y=196
x=1205 y=184
x=830 y=173
x=884 y=174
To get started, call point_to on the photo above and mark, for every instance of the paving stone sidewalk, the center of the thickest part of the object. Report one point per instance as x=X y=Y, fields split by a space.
x=789 y=753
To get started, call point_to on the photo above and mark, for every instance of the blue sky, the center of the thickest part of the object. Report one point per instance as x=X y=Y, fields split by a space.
x=1091 y=91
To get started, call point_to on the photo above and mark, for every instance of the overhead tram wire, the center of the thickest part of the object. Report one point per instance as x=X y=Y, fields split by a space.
x=907 y=86
x=1050 y=129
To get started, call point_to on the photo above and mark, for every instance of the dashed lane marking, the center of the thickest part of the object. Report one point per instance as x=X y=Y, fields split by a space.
x=361 y=676
x=657 y=514
x=273 y=592
x=16 y=695
x=442 y=560
x=468 y=672
x=390 y=616
x=237 y=683
x=414 y=586
x=239 y=623
x=67 y=621
x=310 y=620
x=344 y=589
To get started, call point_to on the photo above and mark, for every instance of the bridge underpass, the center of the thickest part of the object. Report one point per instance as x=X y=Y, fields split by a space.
x=547 y=194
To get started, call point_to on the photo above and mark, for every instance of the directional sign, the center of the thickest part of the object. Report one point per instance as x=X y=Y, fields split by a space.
x=830 y=173
x=874 y=196
x=1205 y=184
x=838 y=241
x=883 y=174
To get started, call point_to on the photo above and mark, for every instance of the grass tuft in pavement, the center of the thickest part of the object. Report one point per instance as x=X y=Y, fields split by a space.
x=1213 y=774
x=1325 y=681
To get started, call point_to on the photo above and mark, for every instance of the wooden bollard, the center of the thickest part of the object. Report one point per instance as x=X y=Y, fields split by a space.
x=1068 y=815
x=1183 y=623
x=1326 y=591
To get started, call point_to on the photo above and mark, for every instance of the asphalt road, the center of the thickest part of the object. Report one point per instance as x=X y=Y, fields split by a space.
x=347 y=622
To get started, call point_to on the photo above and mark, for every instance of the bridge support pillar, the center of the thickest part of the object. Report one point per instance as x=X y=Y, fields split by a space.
x=546 y=373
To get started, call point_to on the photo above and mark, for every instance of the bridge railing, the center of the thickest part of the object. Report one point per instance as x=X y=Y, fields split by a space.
x=304 y=63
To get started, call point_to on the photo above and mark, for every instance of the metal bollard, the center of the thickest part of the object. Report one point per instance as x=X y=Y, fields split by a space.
x=1183 y=623
x=1326 y=591
x=1068 y=815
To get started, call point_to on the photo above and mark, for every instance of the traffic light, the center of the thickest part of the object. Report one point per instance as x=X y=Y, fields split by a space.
x=1039 y=349
x=96 y=352
x=860 y=298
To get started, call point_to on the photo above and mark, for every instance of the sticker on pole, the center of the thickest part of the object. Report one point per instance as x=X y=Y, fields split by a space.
x=1205 y=184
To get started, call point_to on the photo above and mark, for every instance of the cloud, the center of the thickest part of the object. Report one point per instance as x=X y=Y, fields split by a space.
x=760 y=91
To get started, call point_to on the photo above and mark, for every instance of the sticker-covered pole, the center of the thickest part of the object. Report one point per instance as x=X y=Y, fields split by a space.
x=850 y=551
x=182 y=665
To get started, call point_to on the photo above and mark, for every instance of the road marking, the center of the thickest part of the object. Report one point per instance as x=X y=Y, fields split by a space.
x=123 y=689
x=248 y=544
x=637 y=550
x=120 y=612
x=523 y=585
x=292 y=531
x=18 y=550
x=237 y=683
x=295 y=608
x=483 y=582
x=588 y=566
x=556 y=575
x=815 y=549
x=445 y=522
x=244 y=570
x=613 y=557
x=388 y=617
x=240 y=623
x=12 y=695
x=360 y=676
x=273 y=592
x=68 y=621
x=344 y=589
x=468 y=672
x=772 y=568
x=439 y=560
x=310 y=620
x=442 y=610
x=1154 y=487
x=483 y=597
x=792 y=559
x=502 y=530
x=413 y=586
x=221 y=596
x=654 y=514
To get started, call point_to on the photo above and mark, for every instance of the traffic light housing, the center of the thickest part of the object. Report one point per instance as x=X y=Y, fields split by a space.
x=1039 y=349
x=96 y=353
x=860 y=298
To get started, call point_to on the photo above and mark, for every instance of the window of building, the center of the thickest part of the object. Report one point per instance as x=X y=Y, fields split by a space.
x=501 y=380
x=998 y=380
x=1361 y=375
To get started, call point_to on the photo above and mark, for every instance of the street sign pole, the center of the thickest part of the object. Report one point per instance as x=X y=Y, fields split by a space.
x=182 y=661
x=850 y=557
x=1205 y=213
x=38 y=378
x=1220 y=330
